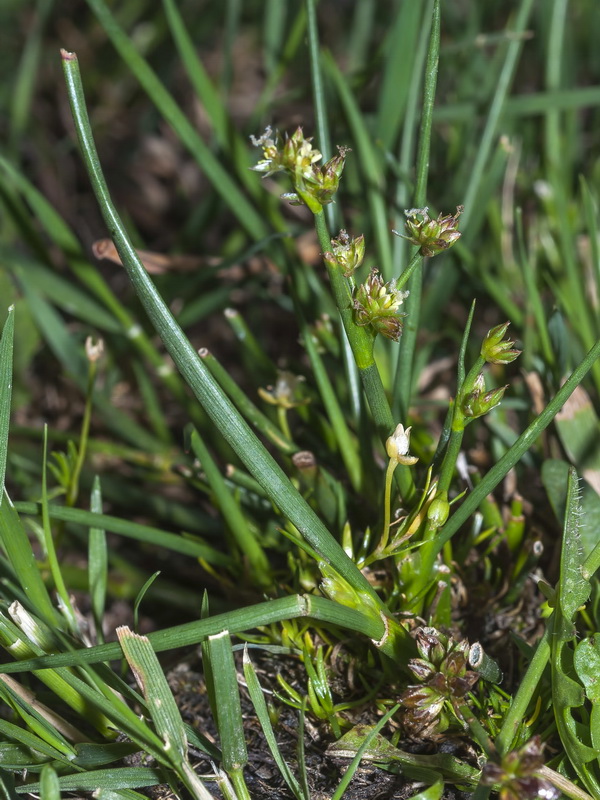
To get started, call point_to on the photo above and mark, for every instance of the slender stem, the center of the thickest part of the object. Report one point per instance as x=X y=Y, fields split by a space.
x=526 y=690
x=387 y=502
x=413 y=305
x=415 y=262
x=283 y=422
x=234 y=519
x=73 y=488
x=361 y=342
x=450 y=458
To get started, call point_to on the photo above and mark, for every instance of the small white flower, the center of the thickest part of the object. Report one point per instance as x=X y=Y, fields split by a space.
x=398 y=444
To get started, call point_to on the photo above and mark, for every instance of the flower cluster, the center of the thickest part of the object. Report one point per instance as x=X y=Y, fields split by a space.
x=478 y=402
x=314 y=185
x=348 y=252
x=516 y=777
x=443 y=678
x=433 y=236
x=376 y=304
x=497 y=351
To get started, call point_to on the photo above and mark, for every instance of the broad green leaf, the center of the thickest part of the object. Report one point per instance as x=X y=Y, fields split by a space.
x=16 y=545
x=227 y=700
x=433 y=792
x=567 y=693
x=587 y=664
x=573 y=589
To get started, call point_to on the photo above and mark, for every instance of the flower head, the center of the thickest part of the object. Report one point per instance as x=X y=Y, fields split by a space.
x=348 y=252
x=496 y=351
x=287 y=392
x=433 y=236
x=478 y=402
x=516 y=774
x=443 y=680
x=376 y=303
x=314 y=185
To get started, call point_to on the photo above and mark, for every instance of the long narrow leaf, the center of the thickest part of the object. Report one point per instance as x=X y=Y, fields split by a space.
x=6 y=359
x=222 y=412
x=192 y=633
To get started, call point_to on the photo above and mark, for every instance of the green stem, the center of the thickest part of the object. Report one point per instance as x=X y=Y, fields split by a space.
x=73 y=489
x=361 y=342
x=415 y=262
x=450 y=457
x=521 y=700
x=387 y=503
x=283 y=421
x=234 y=519
x=413 y=305
x=243 y=619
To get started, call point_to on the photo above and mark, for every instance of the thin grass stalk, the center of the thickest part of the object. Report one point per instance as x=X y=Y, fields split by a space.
x=406 y=352
x=220 y=409
x=332 y=211
x=258 y=562
x=6 y=379
x=514 y=47
x=59 y=583
x=133 y=530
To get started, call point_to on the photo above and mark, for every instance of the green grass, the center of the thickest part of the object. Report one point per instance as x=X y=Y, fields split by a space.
x=235 y=466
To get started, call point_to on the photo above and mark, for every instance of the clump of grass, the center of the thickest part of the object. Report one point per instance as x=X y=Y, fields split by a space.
x=334 y=511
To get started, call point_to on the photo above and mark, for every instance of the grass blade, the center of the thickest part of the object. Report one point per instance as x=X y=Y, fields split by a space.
x=6 y=367
x=192 y=633
x=228 y=709
x=133 y=530
x=262 y=713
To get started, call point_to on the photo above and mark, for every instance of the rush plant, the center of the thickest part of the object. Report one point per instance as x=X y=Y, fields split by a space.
x=354 y=494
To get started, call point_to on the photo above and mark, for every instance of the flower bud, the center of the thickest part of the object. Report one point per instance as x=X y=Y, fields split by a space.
x=397 y=446
x=348 y=252
x=376 y=303
x=433 y=236
x=438 y=511
x=496 y=351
